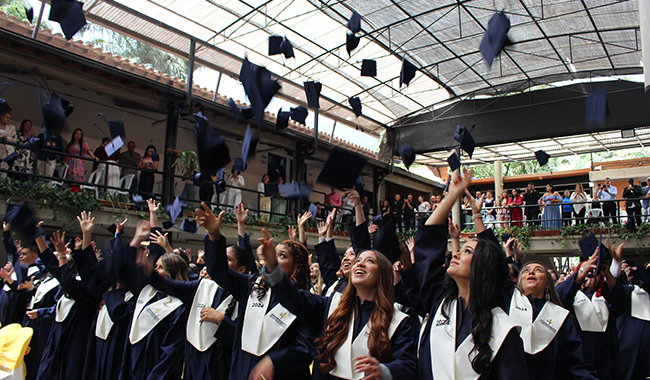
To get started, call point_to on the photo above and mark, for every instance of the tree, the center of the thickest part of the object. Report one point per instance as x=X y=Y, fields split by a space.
x=16 y=8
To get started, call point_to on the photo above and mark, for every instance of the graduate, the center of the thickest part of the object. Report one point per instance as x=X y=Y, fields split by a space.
x=634 y=327
x=361 y=334
x=595 y=298
x=156 y=338
x=467 y=335
x=269 y=342
x=74 y=313
x=211 y=309
x=550 y=335
x=333 y=270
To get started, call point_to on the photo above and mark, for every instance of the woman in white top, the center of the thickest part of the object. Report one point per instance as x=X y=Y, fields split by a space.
x=579 y=209
x=7 y=133
x=233 y=196
x=265 y=202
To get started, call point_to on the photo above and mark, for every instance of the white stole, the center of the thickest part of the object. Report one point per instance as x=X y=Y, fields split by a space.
x=592 y=314
x=262 y=330
x=63 y=308
x=351 y=349
x=201 y=334
x=330 y=290
x=44 y=288
x=536 y=334
x=640 y=304
x=104 y=323
x=146 y=317
x=450 y=363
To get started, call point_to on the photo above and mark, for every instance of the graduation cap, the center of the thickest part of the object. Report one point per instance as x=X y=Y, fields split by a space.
x=4 y=107
x=341 y=169
x=239 y=165
x=249 y=144
x=355 y=103
x=465 y=139
x=174 y=210
x=279 y=167
x=244 y=113
x=454 y=162
x=299 y=114
x=117 y=128
x=295 y=190
x=312 y=92
x=354 y=23
x=56 y=111
x=603 y=255
x=287 y=48
x=138 y=201
x=351 y=43
x=283 y=120
x=358 y=184
x=314 y=210
x=407 y=73
x=542 y=157
x=587 y=246
x=10 y=158
x=377 y=218
x=597 y=109
x=274 y=45
x=495 y=38
x=34 y=144
x=155 y=156
x=630 y=224
x=221 y=184
x=368 y=68
x=189 y=225
x=199 y=178
x=69 y=14
x=386 y=242
x=259 y=87
x=271 y=189
x=115 y=145
x=29 y=12
x=212 y=149
x=23 y=222
x=407 y=155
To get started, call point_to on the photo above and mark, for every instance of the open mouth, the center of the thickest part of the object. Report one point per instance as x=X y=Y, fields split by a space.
x=359 y=272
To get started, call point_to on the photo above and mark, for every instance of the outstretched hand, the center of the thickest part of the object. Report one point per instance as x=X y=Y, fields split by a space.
x=160 y=239
x=58 y=241
x=86 y=222
x=476 y=204
x=268 y=250
x=454 y=229
x=303 y=218
x=241 y=214
x=206 y=218
x=293 y=233
x=154 y=206
x=141 y=233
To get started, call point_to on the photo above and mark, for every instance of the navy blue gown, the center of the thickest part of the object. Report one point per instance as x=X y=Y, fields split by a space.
x=68 y=339
x=634 y=344
x=291 y=354
x=430 y=248
x=600 y=348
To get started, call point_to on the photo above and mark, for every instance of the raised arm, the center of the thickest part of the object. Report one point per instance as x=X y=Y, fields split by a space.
x=302 y=219
x=477 y=205
x=359 y=235
x=154 y=207
x=243 y=238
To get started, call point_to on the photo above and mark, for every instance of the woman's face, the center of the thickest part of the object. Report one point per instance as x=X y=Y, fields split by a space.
x=27 y=126
x=365 y=270
x=348 y=260
x=265 y=178
x=6 y=118
x=460 y=266
x=159 y=269
x=514 y=192
x=567 y=193
x=549 y=189
x=77 y=135
x=489 y=195
x=232 y=261
x=438 y=198
x=533 y=279
x=149 y=152
x=285 y=260
x=314 y=270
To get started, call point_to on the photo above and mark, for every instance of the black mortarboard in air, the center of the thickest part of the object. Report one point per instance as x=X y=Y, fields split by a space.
x=314 y=210
x=29 y=13
x=386 y=242
x=312 y=92
x=630 y=224
x=355 y=103
x=597 y=110
x=199 y=179
x=274 y=45
x=359 y=185
x=351 y=42
x=234 y=109
x=454 y=162
x=588 y=246
x=495 y=38
x=55 y=112
x=287 y=48
x=221 y=183
x=138 y=201
x=69 y=14
x=407 y=73
x=368 y=68
x=465 y=139
x=283 y=120
x=341 y=169
x=23 y=222
x=279 y=167
x=259 y=87
x=299 y=114
x=34 y=143
x=251 y=138
x=211 y=148
x=271 y=189
x=354 y=23
x=239 y=165
x=295 y=190
x=10 y=158
x=603 y=255
x=117 y=128
x=155 y=156
x=189 y=225
x=407 y=154
x=174 y=210
x=542 y=157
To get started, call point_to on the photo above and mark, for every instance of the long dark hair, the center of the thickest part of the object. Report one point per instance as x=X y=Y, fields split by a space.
x=242 y=257
x=488 y=281
x=300 y=274
x=338 y=323
x=22 y=126
x=150 y=146
x=81 y=140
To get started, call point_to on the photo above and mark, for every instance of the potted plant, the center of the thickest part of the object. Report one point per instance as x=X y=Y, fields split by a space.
x=187 y=162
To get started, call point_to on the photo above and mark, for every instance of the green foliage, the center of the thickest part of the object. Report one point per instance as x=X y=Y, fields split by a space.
x=16 y=8
x=49 y=198
x=187 y=162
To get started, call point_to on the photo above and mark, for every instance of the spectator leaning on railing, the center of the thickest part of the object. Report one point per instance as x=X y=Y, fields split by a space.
x=46 y=160
x=579 y=209
x=607 y=194
x=7 y=133
x=633 y=207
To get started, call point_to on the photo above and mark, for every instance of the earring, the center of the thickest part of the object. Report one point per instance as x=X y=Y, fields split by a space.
x=547 y=294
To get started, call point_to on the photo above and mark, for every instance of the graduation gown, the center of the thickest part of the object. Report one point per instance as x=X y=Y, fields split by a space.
x=634 y=344
x=159 y=355
x=430 y=248
x=600 y=348
x=68 y=338
x=291 y=354
x=42 y=325
x=315 y=309
x=199 y=365
x=329 y=263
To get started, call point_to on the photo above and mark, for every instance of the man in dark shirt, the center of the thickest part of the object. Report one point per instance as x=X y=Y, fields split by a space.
x=366 y=208
x=633 y=207
x=47 y=160
x=531 y=197
x=409 y=207
x=131 y=158
x=397 y=207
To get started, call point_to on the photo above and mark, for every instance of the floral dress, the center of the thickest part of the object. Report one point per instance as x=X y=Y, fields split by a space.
x=76 y=169
x=25 y=159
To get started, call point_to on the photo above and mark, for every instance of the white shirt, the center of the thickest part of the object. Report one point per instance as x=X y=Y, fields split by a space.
x=608 y=195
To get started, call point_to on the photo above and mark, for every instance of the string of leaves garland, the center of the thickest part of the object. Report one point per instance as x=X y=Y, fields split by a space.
x=56 y=199
x=611 y=230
